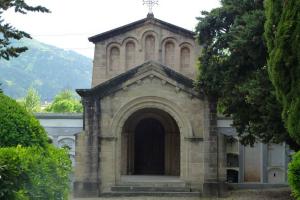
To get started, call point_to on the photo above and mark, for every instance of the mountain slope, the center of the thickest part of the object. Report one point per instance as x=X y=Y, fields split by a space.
x=47 y=68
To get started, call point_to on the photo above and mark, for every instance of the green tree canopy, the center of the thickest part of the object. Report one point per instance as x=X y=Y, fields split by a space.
x=33 y=173
x=8 y=32
x=32 y=101
x=282 y=33
x=18 y=127
x=30 y=167
x=65 y=102
x=233 y=70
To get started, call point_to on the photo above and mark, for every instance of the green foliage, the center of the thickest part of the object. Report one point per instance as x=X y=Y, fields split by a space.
x=17 y=126
x=294 y=175
x=283 y=38
x=46 y=68
x=32 y=101
x=34 y=173
x=8 y=32
x=232 y=70
x=65 y=102
x=38 y=171
x=11 y=175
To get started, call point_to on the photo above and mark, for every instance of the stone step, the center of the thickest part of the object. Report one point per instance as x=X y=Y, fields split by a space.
x=149 y=189
x=153 y=184
x=155 y=194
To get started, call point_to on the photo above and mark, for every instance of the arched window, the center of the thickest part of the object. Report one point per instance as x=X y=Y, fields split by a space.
x=170 y=54
x=114 y=58
x=150 y=48
x=130 y=54
x=185 y=57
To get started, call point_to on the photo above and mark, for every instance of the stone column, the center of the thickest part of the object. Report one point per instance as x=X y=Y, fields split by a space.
x=87 y=182
x=212 y=186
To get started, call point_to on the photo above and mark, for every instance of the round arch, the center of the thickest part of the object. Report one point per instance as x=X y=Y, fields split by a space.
x=139 y=103
x=151 y=102
x=150 y=144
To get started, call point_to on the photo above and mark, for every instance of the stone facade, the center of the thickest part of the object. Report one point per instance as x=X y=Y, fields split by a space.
x=143 y=120
x=273 y=158
x=147 y=39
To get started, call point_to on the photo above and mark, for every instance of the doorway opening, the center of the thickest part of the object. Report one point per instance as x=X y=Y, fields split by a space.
x=150 y=144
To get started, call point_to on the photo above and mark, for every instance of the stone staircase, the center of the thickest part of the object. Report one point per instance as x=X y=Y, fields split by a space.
x=151 y=186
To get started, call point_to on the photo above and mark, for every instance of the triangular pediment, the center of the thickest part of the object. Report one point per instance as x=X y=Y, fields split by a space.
x=148 y=70
x=148 y=20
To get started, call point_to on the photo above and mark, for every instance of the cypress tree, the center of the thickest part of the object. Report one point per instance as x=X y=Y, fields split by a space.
x=282 y=33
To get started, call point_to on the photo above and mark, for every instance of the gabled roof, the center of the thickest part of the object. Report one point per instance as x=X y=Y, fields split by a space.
x=115 y=84
x=150 y=18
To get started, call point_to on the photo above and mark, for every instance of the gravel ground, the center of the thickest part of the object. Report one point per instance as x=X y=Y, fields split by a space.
x=266 y=194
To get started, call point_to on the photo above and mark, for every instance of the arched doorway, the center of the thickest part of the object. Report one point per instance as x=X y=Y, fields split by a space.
x=150 y=144
x=149 y=147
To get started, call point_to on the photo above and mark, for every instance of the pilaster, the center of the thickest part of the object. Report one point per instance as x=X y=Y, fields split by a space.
x=212 y=186
x=87 y=181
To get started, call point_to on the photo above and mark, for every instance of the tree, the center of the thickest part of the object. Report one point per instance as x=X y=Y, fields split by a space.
x=282 y=32
x=8 y=32
x=33 y=173
x=32 y=101
x=18 y=127
x=30 y=167
x=233 y=70
x=65 y=102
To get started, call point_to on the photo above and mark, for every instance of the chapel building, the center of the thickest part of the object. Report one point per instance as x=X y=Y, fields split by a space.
x=146 y=128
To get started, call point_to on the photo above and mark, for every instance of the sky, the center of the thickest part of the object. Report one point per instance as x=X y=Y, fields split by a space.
x=71 y=22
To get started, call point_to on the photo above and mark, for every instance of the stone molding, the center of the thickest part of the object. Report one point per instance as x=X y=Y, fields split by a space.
x=150 y=102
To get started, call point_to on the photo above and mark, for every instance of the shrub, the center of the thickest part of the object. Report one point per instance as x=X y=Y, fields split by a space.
x=17 y=126
x=12 y=176
x=294 y=175
x=34 y=173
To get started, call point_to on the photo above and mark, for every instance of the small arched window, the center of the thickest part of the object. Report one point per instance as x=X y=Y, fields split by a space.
x=114 y=58
x=170 y=54
x=149 y=48
x=185 y=57
x=130 y=54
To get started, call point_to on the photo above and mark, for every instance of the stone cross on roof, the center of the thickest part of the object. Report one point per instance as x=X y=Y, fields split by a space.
x=150 y=4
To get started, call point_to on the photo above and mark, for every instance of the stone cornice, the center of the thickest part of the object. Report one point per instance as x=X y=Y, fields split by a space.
x=58 y=115
x=128 y=27
x=179 y=81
